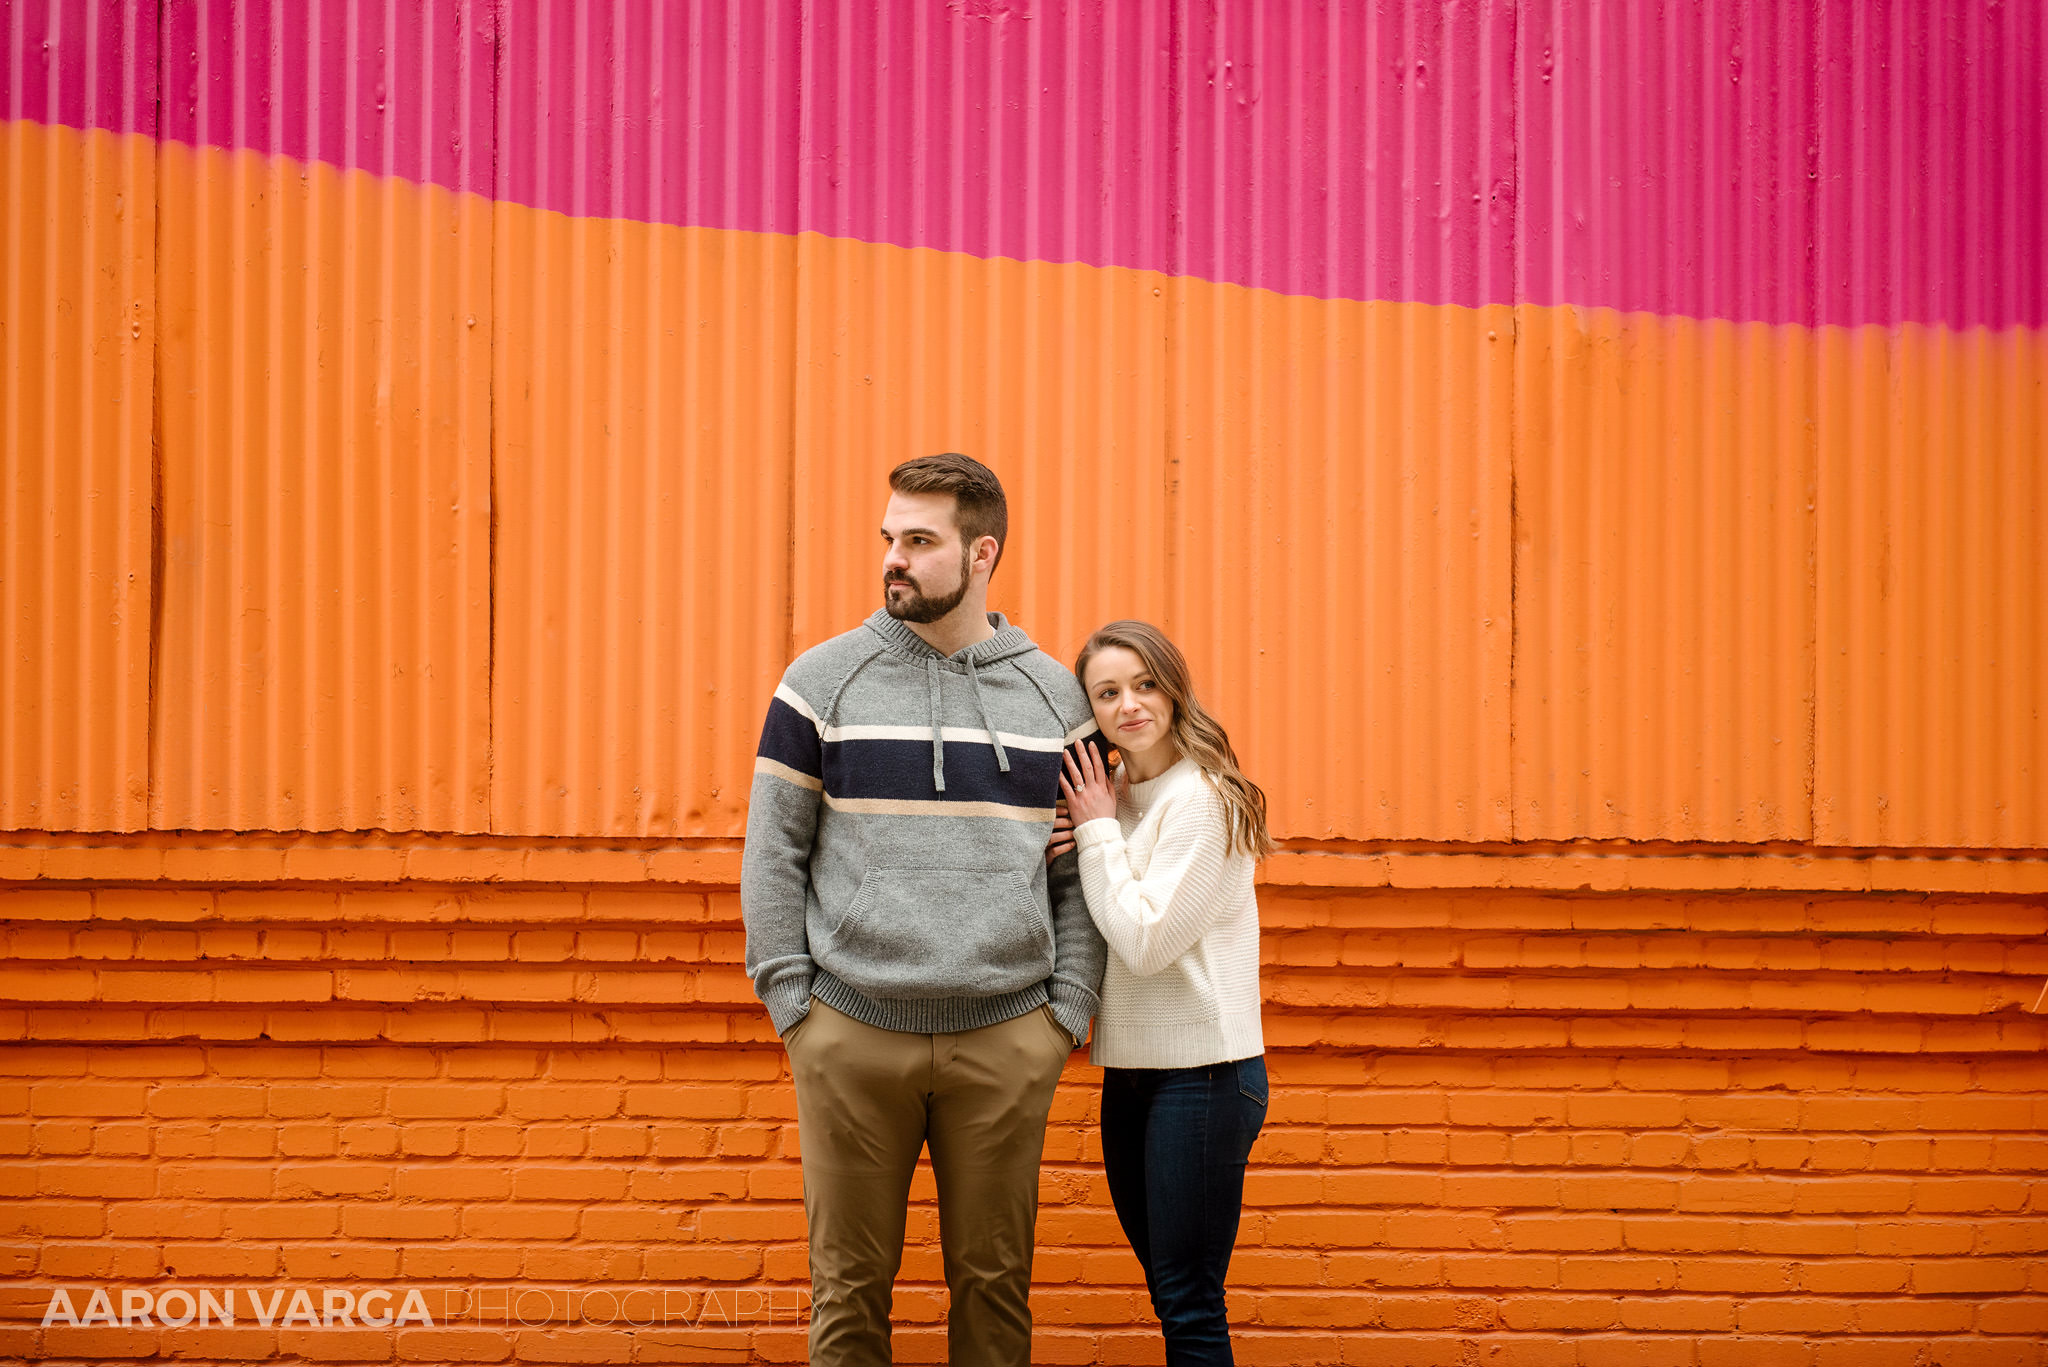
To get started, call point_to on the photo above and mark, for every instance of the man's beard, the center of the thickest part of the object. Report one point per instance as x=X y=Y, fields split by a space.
x=915 y=606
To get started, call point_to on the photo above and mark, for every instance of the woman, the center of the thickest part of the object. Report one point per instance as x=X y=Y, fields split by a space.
x=1167 y=850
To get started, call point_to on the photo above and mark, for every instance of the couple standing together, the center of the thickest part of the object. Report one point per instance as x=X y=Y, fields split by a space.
x=932 y=936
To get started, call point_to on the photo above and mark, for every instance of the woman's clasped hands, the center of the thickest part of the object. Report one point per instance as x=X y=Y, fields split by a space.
x=1088 y=793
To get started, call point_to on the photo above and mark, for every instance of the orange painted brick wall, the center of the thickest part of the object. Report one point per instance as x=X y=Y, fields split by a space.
x=1524 y=1126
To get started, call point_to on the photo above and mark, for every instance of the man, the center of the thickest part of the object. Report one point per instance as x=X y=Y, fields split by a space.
x=928 y=972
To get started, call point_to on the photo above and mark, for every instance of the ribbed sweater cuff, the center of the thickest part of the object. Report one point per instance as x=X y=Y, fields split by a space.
x=1142 y=1044
x=1096 y=832
x=926 y=1015
x=788 y=1002
x=1074 y=1007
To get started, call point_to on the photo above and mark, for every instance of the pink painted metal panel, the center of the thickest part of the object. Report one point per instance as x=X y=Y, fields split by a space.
x=81 y=64
x=1029 y=129
x=1676 y=160
x=1034 y=131
x=1670 y=157
x=1650 y=182
x=1346 y=151
x=1932 y=164
x=685 y=115
x=399 y=89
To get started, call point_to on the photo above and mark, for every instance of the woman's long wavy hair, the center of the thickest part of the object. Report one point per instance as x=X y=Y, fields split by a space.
x=1195 y=732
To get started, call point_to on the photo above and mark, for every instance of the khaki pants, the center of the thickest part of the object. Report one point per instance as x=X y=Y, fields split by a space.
x=868 y=1100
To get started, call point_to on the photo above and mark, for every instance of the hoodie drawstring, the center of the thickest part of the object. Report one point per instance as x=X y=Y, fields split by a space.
x=935 y=697
x=934 y=693
x=981 y=705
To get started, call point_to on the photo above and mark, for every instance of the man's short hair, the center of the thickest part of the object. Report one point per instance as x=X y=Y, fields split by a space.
x=980 y=508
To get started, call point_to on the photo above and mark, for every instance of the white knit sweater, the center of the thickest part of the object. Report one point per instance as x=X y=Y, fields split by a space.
x=1182 y=985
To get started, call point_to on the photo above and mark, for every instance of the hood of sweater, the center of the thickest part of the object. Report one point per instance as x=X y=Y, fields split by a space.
x=896 y=638
x=902 y=641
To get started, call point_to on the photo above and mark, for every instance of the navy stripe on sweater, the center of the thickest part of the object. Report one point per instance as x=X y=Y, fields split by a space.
x=790 y=738
x=903 y=769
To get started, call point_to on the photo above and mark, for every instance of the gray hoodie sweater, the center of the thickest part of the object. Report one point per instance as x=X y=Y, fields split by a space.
x=895 y=859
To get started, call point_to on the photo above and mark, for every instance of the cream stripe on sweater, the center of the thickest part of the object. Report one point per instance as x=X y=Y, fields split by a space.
x=1182 y=985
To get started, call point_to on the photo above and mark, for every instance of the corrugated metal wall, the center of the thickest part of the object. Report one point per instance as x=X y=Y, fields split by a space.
x=1541 y=422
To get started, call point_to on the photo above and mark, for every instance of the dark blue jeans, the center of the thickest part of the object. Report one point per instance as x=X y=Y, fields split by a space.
x=1174 y=1143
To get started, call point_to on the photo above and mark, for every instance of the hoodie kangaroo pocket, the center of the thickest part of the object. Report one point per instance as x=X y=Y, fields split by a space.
x=926 y=932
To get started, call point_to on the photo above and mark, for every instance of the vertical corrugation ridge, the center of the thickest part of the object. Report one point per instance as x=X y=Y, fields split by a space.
x=1176 y=601
x=152 y=738
x=330 y=568
x=499 y=391
x=801 y=373
x=397 y=520
x=21 y=797
x=585 y=453
x=638 y=742
x=286 y=515
x=1520 y=92
x=480 y=141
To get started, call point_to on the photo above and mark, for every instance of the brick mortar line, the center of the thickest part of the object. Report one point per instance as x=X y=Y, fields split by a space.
x=717 y=870
x=1460 y=914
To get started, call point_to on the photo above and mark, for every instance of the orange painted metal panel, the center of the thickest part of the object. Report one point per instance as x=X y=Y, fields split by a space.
x=1052 y=375
x=325 y=436
x=1340 y=572
x=77 y=336
x=642 y=497
x=1664 y=472
x=1933 y=588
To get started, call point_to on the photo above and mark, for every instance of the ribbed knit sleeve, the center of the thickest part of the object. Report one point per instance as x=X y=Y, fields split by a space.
x=1079 y=955
x=782 y=823
x=1151 y=922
